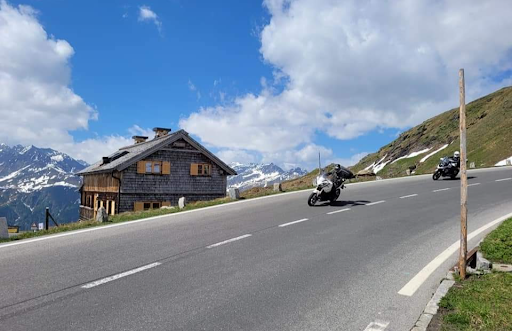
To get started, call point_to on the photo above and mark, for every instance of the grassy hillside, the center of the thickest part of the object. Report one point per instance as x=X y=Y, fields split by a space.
x=489 y=137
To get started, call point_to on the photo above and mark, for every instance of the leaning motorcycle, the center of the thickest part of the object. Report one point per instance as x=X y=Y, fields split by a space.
x=446 y=168
x=329 y=189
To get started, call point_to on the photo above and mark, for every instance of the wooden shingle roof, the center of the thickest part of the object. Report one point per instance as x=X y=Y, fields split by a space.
x=126 y=156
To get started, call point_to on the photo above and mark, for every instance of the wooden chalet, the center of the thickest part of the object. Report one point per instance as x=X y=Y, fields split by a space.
x=153 y=173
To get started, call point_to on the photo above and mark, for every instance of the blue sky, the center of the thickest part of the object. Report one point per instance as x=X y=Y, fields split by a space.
x=272 y=81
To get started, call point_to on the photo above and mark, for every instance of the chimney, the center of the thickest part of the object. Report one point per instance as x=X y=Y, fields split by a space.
x=160 y=132
x=139 y=139
x=106 y=160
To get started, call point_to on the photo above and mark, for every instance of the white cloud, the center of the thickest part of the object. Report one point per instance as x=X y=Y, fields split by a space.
x=191 y=86
x=136 y=130
x=240 y=156
x=350 y=67
x=37 y=105
x=148 y=15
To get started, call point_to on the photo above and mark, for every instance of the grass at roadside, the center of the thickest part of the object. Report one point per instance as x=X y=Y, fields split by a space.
x=497 y=246
x=479 y=303
x=123 y=217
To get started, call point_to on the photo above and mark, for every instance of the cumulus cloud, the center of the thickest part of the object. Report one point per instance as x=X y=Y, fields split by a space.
x=37 y=104
x=148 y=15
x=349 y=67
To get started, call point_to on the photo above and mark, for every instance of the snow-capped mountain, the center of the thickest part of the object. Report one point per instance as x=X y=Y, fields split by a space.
x=253 y=175
x=32 y=179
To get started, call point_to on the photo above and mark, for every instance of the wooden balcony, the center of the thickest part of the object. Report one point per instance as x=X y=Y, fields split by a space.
x=86 y=213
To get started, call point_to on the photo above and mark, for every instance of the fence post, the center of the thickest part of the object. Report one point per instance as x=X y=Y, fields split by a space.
x=47 y=224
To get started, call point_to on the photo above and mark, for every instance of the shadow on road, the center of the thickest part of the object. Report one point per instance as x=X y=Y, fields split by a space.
x=458 y=178
x=346 y=203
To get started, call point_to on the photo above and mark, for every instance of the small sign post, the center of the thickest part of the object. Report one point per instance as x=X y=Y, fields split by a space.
x=463 y=252
x=33 y=227
x=41 y=226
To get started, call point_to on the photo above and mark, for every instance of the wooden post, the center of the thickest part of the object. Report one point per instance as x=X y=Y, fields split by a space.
x=463 y=179
x=47 y=219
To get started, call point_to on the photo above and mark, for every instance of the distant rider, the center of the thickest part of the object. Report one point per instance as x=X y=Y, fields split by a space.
x=455 y=159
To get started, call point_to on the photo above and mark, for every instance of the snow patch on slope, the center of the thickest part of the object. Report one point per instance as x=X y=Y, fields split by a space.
x=434 y=152
x=413 y=154
x=503 y=162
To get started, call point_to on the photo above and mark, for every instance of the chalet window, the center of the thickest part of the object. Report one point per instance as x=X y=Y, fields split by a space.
x=141 y=205
x=200 y=169
x=154 y=167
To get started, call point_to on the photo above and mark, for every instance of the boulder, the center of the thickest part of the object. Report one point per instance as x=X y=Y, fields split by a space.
x=472 y=165
x=364 y=173
x=167 y=207
x=182 y=202
x=278 y=187
x=101 y=215
x=4 y=229
x=234 y=193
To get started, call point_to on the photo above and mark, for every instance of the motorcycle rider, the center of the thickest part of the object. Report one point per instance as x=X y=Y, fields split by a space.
x=455 y=159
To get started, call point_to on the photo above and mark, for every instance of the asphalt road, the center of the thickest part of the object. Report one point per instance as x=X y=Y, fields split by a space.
x=328 y=271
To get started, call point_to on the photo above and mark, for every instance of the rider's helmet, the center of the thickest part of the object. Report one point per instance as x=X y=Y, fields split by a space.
x=337 y=168
x=456 y=154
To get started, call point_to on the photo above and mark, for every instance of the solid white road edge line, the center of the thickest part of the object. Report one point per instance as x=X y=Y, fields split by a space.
x=121 y=275
x=474 y=184
x=503 y=179
x=410 y=288
x=377 y=326
x=229 y=240
x=408 y=196
x=442 y=189
x=337 y=211
x=375 y=203
x=290 y=223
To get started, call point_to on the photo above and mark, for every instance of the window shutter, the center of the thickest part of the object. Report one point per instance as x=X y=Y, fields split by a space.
x=141 y=167
x=193 y=169
x=166 y=168
x=138 y=206
x=166 y=203
x=209 y=171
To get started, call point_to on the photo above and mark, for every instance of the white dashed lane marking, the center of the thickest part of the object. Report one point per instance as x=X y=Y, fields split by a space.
x=294 y=222
x=121 y=275
x=408 y=196
x=375 y=203
x=441 y=189
x=474 y=184
x=229 y=240
x=337 y=211
x=503 y=179
x=377 y=326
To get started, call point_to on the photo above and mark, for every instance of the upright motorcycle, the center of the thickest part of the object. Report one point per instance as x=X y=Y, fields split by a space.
x=447 y=168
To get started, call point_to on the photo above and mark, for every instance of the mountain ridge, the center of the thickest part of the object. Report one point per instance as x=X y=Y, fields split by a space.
x=32 y=179
x=489 y=139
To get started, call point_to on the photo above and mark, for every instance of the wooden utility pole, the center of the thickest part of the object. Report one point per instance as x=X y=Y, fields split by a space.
x=463 y=179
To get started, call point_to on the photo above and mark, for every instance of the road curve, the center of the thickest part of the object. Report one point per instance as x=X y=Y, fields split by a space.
x=264 y=264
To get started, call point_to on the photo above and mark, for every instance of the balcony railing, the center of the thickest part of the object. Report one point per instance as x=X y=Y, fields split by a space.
x=86 y=213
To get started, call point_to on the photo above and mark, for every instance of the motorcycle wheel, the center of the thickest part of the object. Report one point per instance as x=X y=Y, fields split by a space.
x=313 y=198
x=436 y=175
x=453 y=176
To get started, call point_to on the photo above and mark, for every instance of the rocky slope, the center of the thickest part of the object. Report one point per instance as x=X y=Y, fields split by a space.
x=32 y=179
x=257 y=175
x=489 y=139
